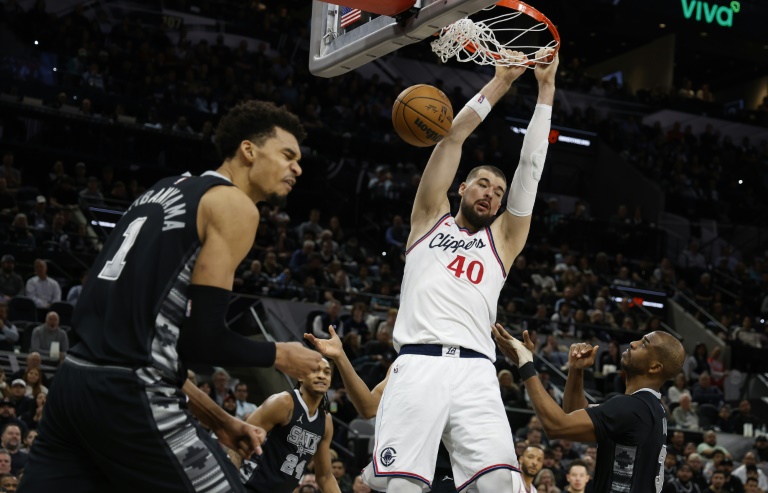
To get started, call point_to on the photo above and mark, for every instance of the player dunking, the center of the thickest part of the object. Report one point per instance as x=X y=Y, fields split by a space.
x=116 y=418
x=443 y=384
x=630 y=430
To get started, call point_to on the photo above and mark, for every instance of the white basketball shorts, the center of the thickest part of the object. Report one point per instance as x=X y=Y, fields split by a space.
x=429 y=398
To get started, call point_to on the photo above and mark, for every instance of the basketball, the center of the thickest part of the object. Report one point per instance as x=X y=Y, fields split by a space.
x=422 y=115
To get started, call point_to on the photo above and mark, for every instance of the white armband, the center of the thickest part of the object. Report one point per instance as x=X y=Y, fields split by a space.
x=522 y=191
x=480 y=105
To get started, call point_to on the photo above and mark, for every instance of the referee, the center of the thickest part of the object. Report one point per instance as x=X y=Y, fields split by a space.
x=630 y=430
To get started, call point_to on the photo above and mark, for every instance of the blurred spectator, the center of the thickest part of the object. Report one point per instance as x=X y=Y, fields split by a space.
x=5 y=461
x=8 y=205
x=34 y=381
x=724 y=423
x=339 y=471
x=75 y=291
x=19 y=233
x=697 y=363
x=11 y=284
x=11 y=441
x=545 y=482
x=717 y=367
x=41 y=288
x=220 y=390
x=750 y=461
x=330 y=317
x=312 y=225
x=510 y=392
x=11 y=174
x=744 y=415
x=34 y=360
x=705 y=393
x=677 y=445
x=9 y=483
x=691 y=258
x=397 y=234
x=577 y=477
x=9 y=334
x=708 y=447
x=357 y=324
x=677 y=390
x=48 y=339
x=682 y=482
x=761 y=449
x=684 y=415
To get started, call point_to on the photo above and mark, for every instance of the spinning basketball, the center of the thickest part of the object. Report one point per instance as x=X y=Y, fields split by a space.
x=422 y=115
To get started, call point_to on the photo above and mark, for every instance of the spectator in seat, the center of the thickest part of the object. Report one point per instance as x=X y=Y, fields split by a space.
x=74 y=292
x=220 y=390
x=677 y=390
x=330 y=317
x=13 y=409
x=744 y=415
x=9 y=483
x=709 y=446
x=748 y=462
x=11 y=284
x=697 y=363
x=34 y=360
x=44 y=335
x=685 y=417
x=34 y=382
x=11 y=440
x=705 y=393
x=9 y=334
x=5 y=462
x=41 y=288
x=244 y=408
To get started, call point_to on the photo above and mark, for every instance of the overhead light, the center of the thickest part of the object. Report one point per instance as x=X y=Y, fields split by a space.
x=741 y=181
x=662 y=25
x=703 y=34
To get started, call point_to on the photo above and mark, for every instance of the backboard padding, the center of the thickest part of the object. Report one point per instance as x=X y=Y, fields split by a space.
x=333 y=54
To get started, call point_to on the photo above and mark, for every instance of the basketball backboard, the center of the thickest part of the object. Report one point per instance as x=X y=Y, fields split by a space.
x=335 y=50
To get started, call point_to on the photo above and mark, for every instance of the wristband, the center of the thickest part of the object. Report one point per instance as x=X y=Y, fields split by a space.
x=527 y=371
x=480 y=105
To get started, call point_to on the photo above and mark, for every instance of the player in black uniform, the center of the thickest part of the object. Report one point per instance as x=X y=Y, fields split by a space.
x=117 y=418
x=298 y=430
x=630 y=430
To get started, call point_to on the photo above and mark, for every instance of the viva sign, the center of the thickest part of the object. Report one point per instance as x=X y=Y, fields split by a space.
x=710 y=13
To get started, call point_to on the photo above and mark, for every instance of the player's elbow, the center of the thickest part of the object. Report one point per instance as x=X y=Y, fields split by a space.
x=368 y=413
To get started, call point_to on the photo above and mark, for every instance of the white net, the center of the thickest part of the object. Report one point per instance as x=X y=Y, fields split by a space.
x=470 y=41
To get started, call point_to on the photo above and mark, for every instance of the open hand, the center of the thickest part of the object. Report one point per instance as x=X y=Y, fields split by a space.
x=519 y=352
x=330 y=348
x=582 y=355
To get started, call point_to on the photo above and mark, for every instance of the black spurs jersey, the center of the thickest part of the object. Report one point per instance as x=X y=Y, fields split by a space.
x=134 y=302
x=631 y=435
x=286 y=452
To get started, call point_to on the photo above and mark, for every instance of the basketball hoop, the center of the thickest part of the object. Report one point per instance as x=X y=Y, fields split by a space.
x=470 y=41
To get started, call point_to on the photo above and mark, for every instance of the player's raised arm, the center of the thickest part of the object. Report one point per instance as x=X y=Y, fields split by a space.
x=432 y=195
x=514 y=224
x=366 y=402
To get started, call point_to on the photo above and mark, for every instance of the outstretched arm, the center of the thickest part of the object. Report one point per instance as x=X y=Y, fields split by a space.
x=514 y=224
x=575 y=426
x=432 y=195
x=366 y=402
x=580 y=357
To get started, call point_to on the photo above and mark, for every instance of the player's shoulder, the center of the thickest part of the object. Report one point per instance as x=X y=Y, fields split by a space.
x=229 y=202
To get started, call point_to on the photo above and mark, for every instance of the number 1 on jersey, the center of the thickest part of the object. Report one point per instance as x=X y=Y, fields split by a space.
x=474 y=270
x=114 y=267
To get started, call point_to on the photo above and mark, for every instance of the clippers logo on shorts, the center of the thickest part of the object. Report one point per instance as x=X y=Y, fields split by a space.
x=305 y=441
x=388 y=456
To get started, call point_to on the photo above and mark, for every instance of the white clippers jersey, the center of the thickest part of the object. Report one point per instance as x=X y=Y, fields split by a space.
x=450 y=289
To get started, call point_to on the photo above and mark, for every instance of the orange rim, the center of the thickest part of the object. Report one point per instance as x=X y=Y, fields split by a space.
x=530 y=12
